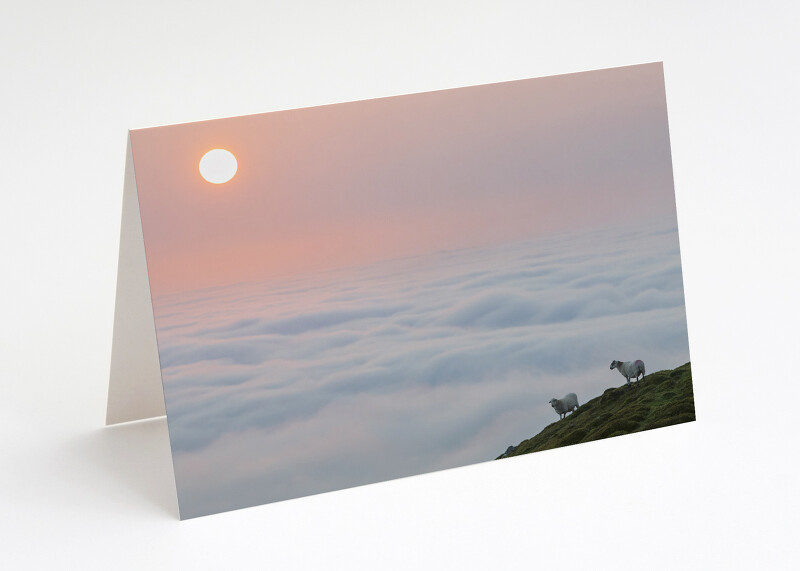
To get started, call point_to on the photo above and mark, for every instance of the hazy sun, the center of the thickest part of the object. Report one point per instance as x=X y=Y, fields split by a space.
x=218 y=166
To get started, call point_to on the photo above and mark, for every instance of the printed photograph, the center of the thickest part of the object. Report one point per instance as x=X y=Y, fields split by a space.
x=365 y=291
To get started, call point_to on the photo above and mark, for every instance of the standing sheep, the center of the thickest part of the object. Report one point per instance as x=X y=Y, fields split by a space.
x=629 y=369
x=567 y=403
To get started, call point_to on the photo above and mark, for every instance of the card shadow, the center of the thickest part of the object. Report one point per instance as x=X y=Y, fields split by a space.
x=138 y=455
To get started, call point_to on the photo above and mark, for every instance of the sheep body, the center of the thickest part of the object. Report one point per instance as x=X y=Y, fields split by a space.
x=629 y=369
x=567 y=403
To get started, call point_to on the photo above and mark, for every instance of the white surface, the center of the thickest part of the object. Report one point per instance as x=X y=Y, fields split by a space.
x=718 y=493
x=135 y=391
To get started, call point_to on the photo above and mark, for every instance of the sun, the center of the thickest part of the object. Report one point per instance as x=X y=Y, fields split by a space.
x=218 y=166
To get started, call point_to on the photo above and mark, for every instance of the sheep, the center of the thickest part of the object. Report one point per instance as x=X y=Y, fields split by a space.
x=629 y=369
x=567 y=403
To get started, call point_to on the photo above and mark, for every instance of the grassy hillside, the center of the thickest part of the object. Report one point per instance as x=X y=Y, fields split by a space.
x=660 y=399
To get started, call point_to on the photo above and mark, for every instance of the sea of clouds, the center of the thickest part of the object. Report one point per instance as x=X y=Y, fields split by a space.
x=302 y=385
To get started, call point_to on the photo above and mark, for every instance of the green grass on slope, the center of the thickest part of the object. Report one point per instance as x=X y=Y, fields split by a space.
x=660 y=399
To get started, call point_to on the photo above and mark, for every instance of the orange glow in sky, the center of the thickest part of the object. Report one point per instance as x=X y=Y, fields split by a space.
x=359 y=182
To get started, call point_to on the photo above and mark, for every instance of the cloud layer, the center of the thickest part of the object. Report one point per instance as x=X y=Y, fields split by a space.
x=291 y=387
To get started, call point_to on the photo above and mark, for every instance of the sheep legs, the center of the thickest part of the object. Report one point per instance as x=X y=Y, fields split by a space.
x=636 y=378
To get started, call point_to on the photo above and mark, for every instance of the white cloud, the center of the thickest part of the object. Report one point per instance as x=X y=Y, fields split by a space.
x=281 y=389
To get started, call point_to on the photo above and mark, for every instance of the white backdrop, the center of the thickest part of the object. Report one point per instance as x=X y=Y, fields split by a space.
x=720 y=492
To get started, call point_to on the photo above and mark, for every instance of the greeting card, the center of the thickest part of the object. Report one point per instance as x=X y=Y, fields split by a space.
x=327 y=297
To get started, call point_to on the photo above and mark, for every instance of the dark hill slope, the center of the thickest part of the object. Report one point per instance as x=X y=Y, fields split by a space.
x=660 y=399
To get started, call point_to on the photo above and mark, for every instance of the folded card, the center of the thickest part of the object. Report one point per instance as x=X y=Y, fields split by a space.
x=346 y=294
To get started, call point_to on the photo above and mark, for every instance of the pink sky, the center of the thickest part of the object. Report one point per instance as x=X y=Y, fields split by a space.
x=354 y=183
